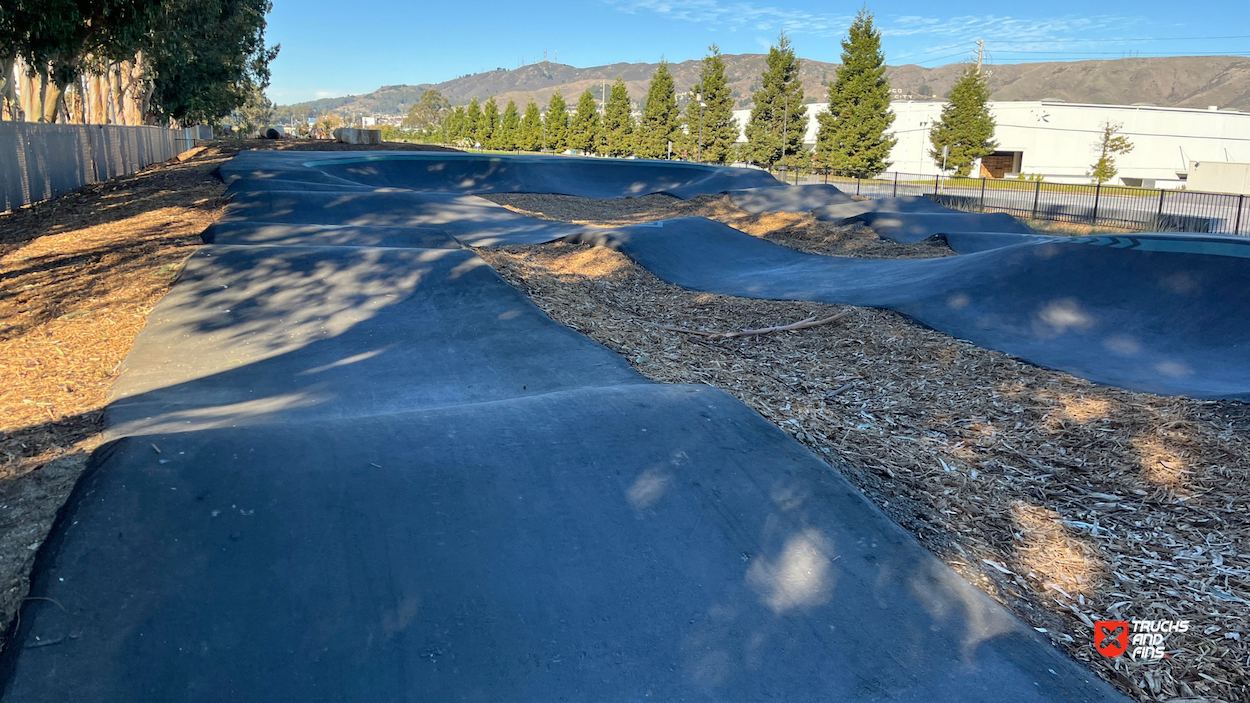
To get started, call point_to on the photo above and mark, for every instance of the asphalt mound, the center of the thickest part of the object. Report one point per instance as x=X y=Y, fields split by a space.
x=846 y=211
x=276 y=235
x=471 y=220
x=911 y=227
x=799 y=198
x=381 y=473
x=1146 y=313
x=486 y=173
x=258 y=334
x=602 y=544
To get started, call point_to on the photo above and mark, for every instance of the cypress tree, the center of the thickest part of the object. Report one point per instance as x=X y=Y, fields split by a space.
x=473 y=121
x=618 y=122
x=488 y=126
x=584 y=131
x=454 y=126
x=557 y=123
x=966 y=125
x=531 y=136
x=853 y=135
x=720 y=129
x=779 y=112
x=508 y=134
x=659 y=116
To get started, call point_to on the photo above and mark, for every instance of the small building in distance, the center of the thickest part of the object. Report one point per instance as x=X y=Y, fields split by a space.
x=1057 y=140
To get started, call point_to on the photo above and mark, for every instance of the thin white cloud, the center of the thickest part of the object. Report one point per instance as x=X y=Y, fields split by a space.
x=1063 y=31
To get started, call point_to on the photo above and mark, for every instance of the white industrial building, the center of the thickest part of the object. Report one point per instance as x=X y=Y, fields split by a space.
x=1057 y=139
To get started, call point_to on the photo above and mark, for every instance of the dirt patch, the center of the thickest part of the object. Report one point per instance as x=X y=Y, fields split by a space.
x=796 y=230
x=1067 y=501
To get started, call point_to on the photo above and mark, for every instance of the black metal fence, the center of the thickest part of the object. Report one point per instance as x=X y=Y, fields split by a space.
x=1136 y=209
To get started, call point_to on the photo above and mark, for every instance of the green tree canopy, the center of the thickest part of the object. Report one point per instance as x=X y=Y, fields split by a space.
x=779 y=119
x=966 y=125
x=428 y=112
x=507 y=136
x=715 y=141
x=473 y=121
x=455 y=126
x=853 y=136
x=206 y=57
x=1110 y=143
x=557 y=123
x=530 y=137
x=618 y=122
x=488 y=131
x=660 y=116
x=199 y=59
x=585 y=129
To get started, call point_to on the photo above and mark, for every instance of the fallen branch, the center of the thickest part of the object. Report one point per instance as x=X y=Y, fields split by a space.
x=802 y=324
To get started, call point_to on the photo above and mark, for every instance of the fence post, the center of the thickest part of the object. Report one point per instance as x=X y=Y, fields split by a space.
x=983 y=195
x=826 y=176
x=1037 y=193
x=1241 y=201
x=1159 y=215
x=937 y=180
x=1097 y=194
x=896 y=184
x=858 y=180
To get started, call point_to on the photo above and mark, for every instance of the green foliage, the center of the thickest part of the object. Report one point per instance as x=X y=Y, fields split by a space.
x=966 y=125
x=206 y=57
x=710 y=128
x=853 y=136
x=925 y=90
x=473 y=122
x=202 y=59
x=557 y=123
x=254 y=114
x=779 y=118
x=585 y=131
x=618 y=122
x=428 y=113
x=1110 y=143
x=508 y=135
x=530 y=137
x=660 y=116
x=456 y=126
x=487 y=132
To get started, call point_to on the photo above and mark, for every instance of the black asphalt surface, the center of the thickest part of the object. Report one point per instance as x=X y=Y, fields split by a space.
x=1147 y=313
x=378 y=472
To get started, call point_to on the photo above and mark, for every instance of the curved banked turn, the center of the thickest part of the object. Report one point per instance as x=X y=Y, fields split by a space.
x=378 y=472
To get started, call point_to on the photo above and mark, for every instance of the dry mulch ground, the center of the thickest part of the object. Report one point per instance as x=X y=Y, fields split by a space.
x=800 y=230
x=80 y=274
x=1067 y=501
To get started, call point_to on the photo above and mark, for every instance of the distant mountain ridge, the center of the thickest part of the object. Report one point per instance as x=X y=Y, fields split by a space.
x=1185 y=81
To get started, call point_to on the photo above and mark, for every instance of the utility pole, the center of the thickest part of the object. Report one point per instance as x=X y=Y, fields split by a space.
x=980 y=54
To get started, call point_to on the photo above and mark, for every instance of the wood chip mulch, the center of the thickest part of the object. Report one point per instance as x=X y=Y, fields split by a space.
x=1067 y=501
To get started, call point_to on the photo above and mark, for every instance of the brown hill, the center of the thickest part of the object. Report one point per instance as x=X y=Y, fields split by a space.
x=1186 y=81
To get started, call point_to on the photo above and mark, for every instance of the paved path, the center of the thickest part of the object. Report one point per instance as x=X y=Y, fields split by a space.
x=379 y=473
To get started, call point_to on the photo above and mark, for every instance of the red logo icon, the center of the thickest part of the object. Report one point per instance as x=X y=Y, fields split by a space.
x=1111 y=637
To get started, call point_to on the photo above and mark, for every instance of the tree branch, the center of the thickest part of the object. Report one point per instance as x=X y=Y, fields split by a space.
x=802 y=324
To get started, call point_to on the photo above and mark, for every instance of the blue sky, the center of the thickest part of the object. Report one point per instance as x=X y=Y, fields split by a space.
x=328 y=49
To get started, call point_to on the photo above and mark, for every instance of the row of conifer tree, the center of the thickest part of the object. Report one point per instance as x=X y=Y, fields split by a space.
x=853 y=138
